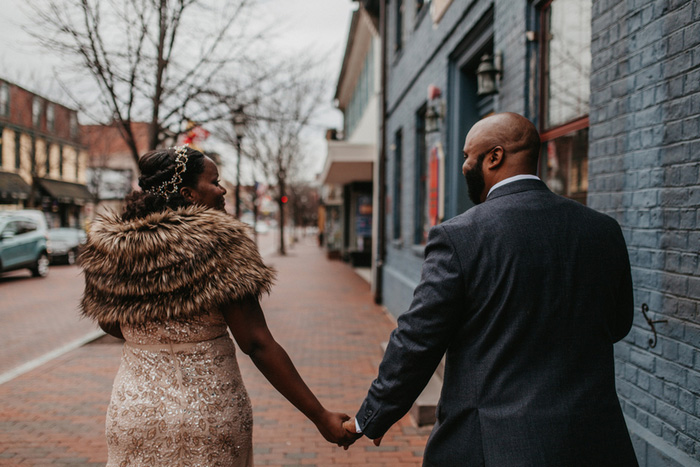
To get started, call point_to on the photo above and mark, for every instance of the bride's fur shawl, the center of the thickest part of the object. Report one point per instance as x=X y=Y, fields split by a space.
x=169 y=265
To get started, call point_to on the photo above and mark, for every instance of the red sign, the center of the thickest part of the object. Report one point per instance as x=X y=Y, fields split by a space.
x=434 y=187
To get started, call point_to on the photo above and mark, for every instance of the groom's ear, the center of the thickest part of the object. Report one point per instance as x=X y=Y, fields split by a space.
x=495 y=158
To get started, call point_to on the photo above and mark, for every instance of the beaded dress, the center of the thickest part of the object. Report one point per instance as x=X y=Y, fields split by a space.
x=178 y=398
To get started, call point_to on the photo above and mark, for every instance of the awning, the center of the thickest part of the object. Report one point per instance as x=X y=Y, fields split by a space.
x=65 y=192
x=348 y=162
x=13 y=186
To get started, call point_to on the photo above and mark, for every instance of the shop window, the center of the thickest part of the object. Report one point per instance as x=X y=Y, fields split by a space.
x=398 y=170
x=565 y=93
x=4 y=99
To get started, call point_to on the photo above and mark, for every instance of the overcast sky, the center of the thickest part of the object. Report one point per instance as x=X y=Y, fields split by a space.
x=317 y=25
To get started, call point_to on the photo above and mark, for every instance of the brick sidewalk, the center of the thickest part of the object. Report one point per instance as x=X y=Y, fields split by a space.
x=320 y=311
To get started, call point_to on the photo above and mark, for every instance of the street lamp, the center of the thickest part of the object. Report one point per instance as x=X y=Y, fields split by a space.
x=239 y=126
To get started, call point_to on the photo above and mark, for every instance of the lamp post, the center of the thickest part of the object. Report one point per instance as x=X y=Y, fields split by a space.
x=239 y=129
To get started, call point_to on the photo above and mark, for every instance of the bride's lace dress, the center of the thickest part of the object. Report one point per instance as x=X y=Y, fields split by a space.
x=178 y=398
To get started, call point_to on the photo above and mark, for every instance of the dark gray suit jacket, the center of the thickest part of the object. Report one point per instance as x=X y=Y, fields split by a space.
x=526 y=293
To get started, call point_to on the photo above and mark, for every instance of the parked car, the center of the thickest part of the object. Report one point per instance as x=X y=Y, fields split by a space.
x=65 y=244
x=24 y=242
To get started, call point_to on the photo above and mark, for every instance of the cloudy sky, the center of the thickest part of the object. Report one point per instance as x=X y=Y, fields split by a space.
x=317 y=25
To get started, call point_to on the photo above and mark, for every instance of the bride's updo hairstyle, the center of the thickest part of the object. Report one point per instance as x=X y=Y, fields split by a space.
x=163 y=173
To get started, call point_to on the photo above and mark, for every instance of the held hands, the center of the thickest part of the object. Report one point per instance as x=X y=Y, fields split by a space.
x=331 y=426
x=351 y=428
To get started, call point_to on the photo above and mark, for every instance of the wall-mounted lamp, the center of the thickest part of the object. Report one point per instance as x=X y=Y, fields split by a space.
x=488 y=74
x=435 y=110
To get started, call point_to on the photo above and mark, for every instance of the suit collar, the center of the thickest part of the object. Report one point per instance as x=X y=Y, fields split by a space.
x=517 y=187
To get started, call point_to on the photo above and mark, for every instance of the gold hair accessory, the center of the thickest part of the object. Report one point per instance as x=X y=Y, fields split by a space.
x=166 y=189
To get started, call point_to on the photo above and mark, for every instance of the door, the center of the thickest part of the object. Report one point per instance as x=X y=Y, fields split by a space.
x=10 y=245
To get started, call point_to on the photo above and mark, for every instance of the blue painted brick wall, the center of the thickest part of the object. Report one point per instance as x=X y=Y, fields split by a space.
x=644 y=169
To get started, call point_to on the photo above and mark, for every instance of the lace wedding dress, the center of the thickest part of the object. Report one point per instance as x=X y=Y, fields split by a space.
x=178 y=398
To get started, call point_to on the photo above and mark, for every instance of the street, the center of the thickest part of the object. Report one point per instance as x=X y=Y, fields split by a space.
x=40 y=317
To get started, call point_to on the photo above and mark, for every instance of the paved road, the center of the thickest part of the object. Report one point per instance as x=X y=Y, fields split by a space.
x=39 y=316
x=319 y=310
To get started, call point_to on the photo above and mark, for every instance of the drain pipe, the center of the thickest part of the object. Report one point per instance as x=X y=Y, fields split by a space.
x=381 y=169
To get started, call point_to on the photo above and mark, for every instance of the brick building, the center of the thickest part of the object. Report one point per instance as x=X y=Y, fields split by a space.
x=645 y=171
x=112 y=170
x=349 y=198
x=42 y=161
x=614 y=88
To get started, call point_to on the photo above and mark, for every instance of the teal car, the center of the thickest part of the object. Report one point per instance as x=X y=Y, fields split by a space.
x=24 y=242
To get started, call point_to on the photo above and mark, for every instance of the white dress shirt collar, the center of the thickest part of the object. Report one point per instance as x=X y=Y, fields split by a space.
x=514 y=178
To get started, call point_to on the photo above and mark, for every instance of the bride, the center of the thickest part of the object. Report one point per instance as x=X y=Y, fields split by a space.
x=172 y=275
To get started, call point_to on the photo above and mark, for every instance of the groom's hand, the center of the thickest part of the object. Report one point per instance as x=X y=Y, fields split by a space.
x=331 y=427
x=351 y=427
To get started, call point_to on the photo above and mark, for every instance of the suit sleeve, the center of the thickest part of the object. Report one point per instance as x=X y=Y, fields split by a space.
x=420 y=340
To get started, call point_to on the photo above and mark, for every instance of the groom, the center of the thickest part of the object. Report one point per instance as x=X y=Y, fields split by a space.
x=525 y=294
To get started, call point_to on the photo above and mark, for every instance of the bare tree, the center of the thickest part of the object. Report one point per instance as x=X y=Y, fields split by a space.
x=274 y=140
x=161 y=61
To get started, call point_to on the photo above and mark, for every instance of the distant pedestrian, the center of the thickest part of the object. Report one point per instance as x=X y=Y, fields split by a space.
x=525 y=294
x=172 y=275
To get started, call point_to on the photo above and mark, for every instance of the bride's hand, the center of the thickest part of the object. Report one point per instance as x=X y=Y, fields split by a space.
x=331 y=427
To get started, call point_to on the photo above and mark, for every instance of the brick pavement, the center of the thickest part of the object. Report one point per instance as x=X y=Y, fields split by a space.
x=320 y=311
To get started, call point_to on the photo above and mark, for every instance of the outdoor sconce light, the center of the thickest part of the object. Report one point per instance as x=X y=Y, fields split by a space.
x=435 y=110
x=432 y=120
x=488 y=74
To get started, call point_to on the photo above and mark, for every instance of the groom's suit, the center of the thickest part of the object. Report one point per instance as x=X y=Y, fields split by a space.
x=526 y=292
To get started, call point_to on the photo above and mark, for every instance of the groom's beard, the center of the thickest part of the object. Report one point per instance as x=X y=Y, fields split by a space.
x=475 y=180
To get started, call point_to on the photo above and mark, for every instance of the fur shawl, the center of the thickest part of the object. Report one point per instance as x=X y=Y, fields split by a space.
x=169 y=265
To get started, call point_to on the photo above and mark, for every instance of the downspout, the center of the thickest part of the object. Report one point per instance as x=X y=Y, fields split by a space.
x=381 y=172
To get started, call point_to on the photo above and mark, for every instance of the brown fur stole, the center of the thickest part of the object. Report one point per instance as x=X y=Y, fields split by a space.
x=169 y=265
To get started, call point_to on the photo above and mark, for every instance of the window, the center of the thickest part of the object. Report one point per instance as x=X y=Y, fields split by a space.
x=36 y=111
x=73 y=125
x=50 y=117
x=565 y=92
x=25 y=227
x=421 y=160
x=77 y=164
x=47 y=155
x=2 y=131
x=364 y=89
x=18 y=150
x=398 y=38
x=4 y=99
x=398 y=171
x=60 y=160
